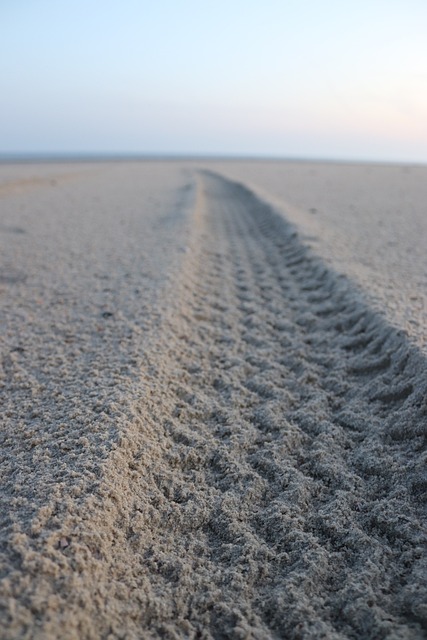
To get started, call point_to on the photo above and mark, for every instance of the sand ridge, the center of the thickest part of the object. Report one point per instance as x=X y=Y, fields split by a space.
x=267 y=480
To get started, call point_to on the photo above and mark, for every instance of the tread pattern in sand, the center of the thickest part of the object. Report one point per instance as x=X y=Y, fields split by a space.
x=273 y=484
x=288 y=426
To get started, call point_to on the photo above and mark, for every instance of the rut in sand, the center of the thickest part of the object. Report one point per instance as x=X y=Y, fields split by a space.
x=273 y=484
x=298 y=427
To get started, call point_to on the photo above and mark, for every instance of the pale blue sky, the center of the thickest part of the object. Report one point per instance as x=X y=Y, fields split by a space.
x=300 y=78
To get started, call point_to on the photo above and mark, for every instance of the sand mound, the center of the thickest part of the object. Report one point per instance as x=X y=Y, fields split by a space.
x=265 y=475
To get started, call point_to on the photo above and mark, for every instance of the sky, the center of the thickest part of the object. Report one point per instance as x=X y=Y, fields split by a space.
x=327 y=79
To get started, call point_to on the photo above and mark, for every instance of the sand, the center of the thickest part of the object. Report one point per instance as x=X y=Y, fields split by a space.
x=213 y=426
x=366 y=221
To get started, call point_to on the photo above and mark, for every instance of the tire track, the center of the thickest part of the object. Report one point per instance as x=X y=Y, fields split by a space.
x=291 y=442
x=272 y=484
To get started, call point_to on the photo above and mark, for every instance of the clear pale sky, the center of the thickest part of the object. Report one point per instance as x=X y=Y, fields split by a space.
x=293 y=78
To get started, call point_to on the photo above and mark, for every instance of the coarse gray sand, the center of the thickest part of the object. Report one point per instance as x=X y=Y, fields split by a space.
x=211 y=425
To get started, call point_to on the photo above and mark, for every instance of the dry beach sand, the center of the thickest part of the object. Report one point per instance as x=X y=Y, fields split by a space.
x=213 y=401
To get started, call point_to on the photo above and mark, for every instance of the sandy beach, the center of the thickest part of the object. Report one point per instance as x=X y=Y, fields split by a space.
x=213 y=388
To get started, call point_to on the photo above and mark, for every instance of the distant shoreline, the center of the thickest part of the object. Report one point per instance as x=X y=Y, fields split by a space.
x=49 y=158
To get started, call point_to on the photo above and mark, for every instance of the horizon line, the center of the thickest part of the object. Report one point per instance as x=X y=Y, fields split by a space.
x=112 y=156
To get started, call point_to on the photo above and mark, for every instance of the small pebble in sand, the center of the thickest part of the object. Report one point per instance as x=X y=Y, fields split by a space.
x=63 y=543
